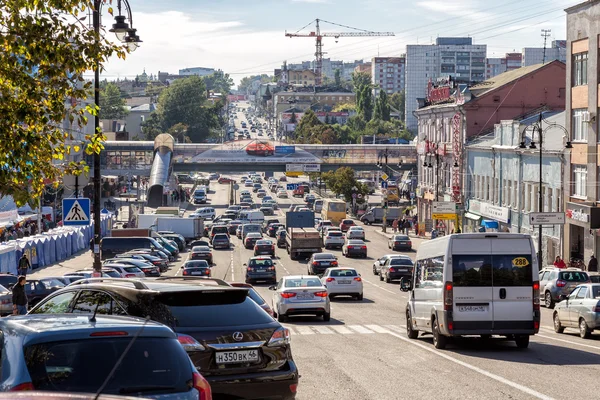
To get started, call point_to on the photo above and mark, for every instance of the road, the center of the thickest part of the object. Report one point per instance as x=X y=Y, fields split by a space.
x=363 y=352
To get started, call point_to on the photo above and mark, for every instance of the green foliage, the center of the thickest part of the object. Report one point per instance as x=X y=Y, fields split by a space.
x=382 y=107
x=303 y=130
x=398 y=101
x=112 y=103
x=338 y=78
x=179 y=131
x=44 y=52
x=152 y=126
x=342 y=180
x=365 y=107
x=218 y=82
x=246 y=81
x=360 y=80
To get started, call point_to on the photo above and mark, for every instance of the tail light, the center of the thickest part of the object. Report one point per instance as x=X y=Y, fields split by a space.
x=294 y=387
x=364 y=247
x=536 y=295
x=202 y=386
x=321 y=294
x=396 y=242
x=358 y=279
x=271 y=269
x=189 y=343
x=156 y=262
x=334 y=263
x=280 y=337
x=109 y=333
x=410 y=243
x=350 y=247
x=448 y=296
x=23 y=386
x=185 y=272
x=392 y=269
x=195 y=254
x=207 y=272
x=330 y=279
x=288 y=295
x=561 y=283
x=130 y=276
x=273 y=247
x=315 y=264
x=250 y=269
x=596 y=308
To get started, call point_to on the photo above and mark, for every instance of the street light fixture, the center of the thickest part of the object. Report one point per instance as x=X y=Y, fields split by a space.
x=124 y=32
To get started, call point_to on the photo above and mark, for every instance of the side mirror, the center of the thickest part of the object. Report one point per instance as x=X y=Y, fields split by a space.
x=272 y=288
x=405 y=285
x=245 y=264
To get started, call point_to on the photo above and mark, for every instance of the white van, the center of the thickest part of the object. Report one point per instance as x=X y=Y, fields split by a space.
x=205 y=213
x=251 y=217
x=474 y=284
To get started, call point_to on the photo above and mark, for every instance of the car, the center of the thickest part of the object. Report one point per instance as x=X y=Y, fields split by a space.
x=126 y=271
x=323 y=223
x=254 y=295
x=346 y=224
x=201 y=253
x=380 y=261
x=221 y=240
x=282 y=194
x=256 y=187
x=343 y=282
x=146 y=267
x=396 y=268
x=225 y=179
x=233 y=225
x=206 y=213
x=273 y=228
x=213 y=175
x=319 y=262
x=283 y=178
x=89 y=273
x=300 y=295
x=6 y=304
x=333 y=239
x=195 y=268
x=261 y=193
x=175 y=237
x=199 y=242
x=251 y=238
x=267 y=211
x=355 y=232
x=260 y=268
x=37 y=290
x=267 y=198
x=354 y=247
x=400 y=242
x=556 y=282
x=220 y=228
x=264 y=247
x=248 y=183
x=270 y=203
x=280 y=235
x=8 y=280
x=238 y=231
x=578 y=310
x=65 y=280
x=80 y=352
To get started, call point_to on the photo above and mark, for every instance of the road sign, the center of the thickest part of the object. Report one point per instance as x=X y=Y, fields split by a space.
x=294 y=167
x=353 y=195
x=384 y=176
x=360 y=196
x=547 y=218
x=76 y=211
x=285 y=149
x=236 y=186
x=292 y=186
x=384 y=184
x=443 y=210
x=311 y=167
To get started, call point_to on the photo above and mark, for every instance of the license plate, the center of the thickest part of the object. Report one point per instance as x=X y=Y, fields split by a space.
x=472 y=308
x=236 y=357
x=196 y=273
x=324 y=264
x=402 y=242
x=304 y=296
x=261 y=270
x=403 y=269
x=344 y=282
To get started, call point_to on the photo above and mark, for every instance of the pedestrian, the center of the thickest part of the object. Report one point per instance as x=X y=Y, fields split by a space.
x=24 y=265
x=593 y=264
x=559 y=263
x=434 y=233
x=395 y=225
x=19 y=297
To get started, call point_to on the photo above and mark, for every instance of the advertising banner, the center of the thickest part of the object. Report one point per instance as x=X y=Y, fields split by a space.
x=261 y=152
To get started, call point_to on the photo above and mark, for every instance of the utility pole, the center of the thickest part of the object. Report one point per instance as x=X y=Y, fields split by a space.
x=545 y=35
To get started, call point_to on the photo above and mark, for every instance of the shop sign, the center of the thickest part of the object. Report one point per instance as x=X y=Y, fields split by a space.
x=577 y=215
x=501 y=214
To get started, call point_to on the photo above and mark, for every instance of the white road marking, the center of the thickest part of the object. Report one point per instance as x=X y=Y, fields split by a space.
x=377 y=329
x=305 y=330
x=341 y=329
x=323 y=330
x=569 y=341
x=360 y=329
x=395 y=328
x=481 y=371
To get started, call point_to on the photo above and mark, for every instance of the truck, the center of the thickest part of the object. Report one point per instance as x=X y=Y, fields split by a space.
x=375 y=215
x=189 y=228
x=131 y=232
x=168 y=211
x=391 y=194
x=305 y=241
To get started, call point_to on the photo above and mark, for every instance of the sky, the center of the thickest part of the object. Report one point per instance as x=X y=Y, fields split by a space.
x=247 y=37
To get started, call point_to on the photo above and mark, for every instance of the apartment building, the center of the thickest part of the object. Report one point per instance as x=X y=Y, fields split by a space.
x=198 y=71
x=455 y=57
x=497 y=65
x=582 y=235
x=537 y=55
x=388 y=73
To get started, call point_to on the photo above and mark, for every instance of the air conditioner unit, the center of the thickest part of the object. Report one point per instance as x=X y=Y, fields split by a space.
x=586 y=116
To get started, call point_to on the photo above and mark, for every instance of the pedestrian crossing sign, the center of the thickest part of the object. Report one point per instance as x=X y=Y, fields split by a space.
x=76 y=212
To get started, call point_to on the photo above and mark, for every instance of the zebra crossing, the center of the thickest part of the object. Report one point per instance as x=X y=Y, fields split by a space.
x=305 y=330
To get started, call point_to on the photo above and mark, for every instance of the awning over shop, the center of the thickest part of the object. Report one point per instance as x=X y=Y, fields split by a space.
x=489 y=224
x=472 y=216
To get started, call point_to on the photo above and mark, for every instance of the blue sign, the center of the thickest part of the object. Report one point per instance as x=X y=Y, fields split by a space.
x=76 y=211
x=292 y=186
x=384 y=184
x=285 y=149
x=300 y=219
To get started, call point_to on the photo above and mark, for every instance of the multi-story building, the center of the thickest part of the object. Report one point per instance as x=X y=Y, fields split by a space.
x=496 y=66
x=388 y=73
x=537 y=55
x=302 y=101
x=582 y=235
x=304 y=78
x=199 y=71
x=328 y=67
x=455 y=57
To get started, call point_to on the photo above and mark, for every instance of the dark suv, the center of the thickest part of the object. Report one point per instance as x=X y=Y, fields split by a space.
x=238 y=347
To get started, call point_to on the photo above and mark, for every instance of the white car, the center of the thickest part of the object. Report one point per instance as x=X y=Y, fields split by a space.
x=207 y=213
x=282 y=194
x=126 y=271
x=356 y=232
x=248 y=183
x=334 y=238
x=377 y=264
x=300 y=295
x=343 y=282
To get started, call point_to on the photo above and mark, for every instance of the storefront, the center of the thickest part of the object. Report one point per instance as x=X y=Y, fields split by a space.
x=487 y=216
x=582 y=232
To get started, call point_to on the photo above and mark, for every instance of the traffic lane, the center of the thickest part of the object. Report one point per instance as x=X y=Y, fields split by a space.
x=390 y=368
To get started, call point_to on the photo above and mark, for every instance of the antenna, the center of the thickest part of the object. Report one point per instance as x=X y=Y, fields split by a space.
x=93 y=317
x=545 y=35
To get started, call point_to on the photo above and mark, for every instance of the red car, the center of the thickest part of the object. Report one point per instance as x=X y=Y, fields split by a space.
x=226 y=180
x=346 y=224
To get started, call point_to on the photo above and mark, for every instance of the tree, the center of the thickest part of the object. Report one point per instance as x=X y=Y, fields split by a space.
x=360 y=80
x=342 y=180
x=152 y=126
x=365 y=108
x=112 y=103
x=382 y=106
x=293 y=118
x=178 y=131
x=44 y=54
x=218 y=82
x=338 y=78
x=303 y=130
x=397 y=101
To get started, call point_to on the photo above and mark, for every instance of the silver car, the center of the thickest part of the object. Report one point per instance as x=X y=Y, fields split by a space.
x=300 y=295
x=377 y=264
x=555 y=282
x=579 y=310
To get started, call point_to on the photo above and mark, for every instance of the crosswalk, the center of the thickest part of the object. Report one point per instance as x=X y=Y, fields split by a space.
x=305 y=330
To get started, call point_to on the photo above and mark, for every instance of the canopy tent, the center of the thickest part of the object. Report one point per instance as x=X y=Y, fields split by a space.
x=489 y=224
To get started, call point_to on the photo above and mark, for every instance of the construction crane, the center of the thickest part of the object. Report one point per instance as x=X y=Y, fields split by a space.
x=320 y=35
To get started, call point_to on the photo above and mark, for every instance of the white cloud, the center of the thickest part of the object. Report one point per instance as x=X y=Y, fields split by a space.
x=311 y=1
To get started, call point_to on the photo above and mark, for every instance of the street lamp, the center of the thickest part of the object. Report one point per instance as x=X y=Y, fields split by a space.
x=125 y=34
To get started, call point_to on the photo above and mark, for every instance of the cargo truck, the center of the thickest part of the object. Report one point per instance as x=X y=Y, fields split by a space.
x=302 y=241
x=375 y=215
x=189 y=228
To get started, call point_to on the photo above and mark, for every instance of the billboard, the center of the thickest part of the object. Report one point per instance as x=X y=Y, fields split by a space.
x=253 y=152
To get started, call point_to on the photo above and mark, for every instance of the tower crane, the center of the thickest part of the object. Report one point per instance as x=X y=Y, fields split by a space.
x=318 y=35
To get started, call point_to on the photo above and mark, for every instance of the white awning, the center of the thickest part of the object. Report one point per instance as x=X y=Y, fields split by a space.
x=472 y=216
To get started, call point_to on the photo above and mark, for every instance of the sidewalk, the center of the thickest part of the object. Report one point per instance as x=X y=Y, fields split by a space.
x=81 y=260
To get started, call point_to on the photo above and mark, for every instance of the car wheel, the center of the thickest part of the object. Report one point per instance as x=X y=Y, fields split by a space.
x=380 y=276
x=584 y=331
x=387 y=278
x=374 y=270
x=439 y=340
x=281 y=317
x=522 y=341
x=359 y=297
x=331 y=296
x=326 y=317
x=558 y=328
x=548 y=301
x=410 y=332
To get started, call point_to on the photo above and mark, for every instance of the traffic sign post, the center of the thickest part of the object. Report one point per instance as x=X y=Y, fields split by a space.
x=547 y=218
x=292 y=186
x=384 y=176
x=76 y=211
x=443 y=210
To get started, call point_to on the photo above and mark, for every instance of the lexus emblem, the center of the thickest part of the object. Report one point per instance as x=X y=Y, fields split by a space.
x=238 y=336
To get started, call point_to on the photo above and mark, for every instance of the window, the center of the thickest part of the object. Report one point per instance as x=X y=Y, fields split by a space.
x=429 y=273
x=472 y=270
x=56 y=305
x=582 y=292
x=580 y=69
x=578 y=127
x=89 y=300
x=498 y=270
x=579 y=181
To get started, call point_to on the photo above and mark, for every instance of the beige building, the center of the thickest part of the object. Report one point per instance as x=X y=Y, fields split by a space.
x=304 y=78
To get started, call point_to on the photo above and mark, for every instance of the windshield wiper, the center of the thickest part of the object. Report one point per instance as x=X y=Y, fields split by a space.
x=140 y=389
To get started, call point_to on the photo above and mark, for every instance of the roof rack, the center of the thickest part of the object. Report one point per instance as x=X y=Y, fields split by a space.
x=219 y=282
x=136 y=283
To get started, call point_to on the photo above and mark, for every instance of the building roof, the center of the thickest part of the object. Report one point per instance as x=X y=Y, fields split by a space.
x=144 y=108
x=505 y=78
x=581 y=5
x=138 y=101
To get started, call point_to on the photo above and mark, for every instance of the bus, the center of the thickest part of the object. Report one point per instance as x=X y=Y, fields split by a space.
x=333 y=210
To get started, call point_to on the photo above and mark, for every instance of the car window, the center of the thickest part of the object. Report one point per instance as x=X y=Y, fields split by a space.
x=582 y=292
x=83 y=365
x=335 y=234
x=400 y=261
x=552 y=276
x=88 y=300
x=344 y=272
x=573 y=276
x=52 y=283
x=256 y=297
x=512 y=270
x=596 y=292
x=131 y=269
x=261 y=263
x=472 y=270
x=574 y=292
x=543 y=275
x=302 y=282
x=56 y=305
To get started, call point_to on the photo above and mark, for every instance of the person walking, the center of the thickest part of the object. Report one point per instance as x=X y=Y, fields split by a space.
x=559 y=263
x=593 y=264
x=395 y=225
x=19 y=297
x=24 y=265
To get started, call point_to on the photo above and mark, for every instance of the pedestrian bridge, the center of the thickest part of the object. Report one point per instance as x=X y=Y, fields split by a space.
x=135 y=158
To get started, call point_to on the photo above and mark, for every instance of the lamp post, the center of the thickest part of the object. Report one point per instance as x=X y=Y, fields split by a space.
x=127 y=35
x=385 y=200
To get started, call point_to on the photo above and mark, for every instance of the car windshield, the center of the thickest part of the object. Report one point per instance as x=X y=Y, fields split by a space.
x=221 y=236
x=400 y=237
x=196 y=264
x=263 y=262
x=573 y=276
x=324 y=257
x=344 y=272
x=51 y=283
x=83 y=365
x=302 y=282
x=335 y=233
x=264 y=243
x=401 y=261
